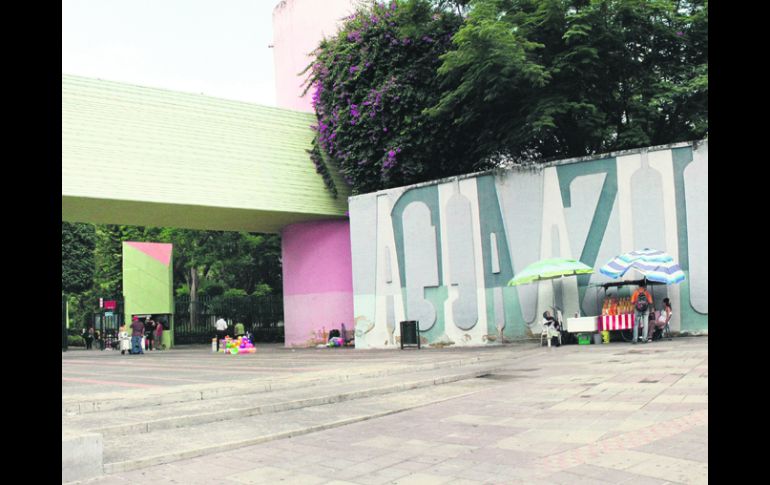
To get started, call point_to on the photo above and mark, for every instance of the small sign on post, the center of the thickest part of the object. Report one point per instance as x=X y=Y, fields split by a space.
x=110 y=305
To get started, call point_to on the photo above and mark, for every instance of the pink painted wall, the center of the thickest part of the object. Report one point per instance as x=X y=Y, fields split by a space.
x=298 y=27
x=317 y=279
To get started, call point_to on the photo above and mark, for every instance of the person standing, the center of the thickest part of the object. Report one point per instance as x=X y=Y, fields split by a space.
x=642 y=300
x=137 y=331
x=88 y=336
x=221 y=326
x=158 y=333
x=240 y=331
x=149 y=333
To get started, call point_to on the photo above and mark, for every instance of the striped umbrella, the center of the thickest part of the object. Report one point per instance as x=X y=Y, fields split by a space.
x=653 y=264
x=547 y=269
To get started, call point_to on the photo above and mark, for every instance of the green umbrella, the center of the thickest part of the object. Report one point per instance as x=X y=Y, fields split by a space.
x=548 y=269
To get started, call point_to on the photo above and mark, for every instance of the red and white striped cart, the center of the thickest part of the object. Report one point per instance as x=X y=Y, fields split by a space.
x=624 y=321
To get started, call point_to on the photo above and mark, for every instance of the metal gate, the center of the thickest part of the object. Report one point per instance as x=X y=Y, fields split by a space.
x=194 y=320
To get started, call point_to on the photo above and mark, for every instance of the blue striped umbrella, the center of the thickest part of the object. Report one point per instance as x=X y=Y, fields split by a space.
x=653 y=264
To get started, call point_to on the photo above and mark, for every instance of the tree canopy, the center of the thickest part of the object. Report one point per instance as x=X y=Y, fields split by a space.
x=206 y=263
x=415 y=90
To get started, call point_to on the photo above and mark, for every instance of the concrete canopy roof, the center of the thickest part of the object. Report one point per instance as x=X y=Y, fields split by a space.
x=153 y=157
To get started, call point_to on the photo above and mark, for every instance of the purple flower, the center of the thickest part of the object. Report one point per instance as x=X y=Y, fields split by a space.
x=385 y=129
x=680 y=33
x=353 y=69
x=390 y=160
x=427 y=39
x=354 y=36
x=317 y=94
x=375 y=19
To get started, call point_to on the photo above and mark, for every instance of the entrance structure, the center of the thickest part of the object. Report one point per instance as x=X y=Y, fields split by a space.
x=153 y=157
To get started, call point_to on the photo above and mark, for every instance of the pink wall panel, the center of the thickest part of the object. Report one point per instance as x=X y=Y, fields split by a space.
x=306 y=315
x=298 y=27
x=317 y=279
x=316 y=257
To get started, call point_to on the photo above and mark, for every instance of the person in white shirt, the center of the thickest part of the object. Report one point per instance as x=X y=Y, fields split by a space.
x=221 y=326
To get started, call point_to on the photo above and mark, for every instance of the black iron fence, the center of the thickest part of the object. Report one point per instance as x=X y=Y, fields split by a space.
x=194 y=320
x=260 y=315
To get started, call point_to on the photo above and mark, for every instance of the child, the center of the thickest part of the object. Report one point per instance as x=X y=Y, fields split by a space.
x=125 y=340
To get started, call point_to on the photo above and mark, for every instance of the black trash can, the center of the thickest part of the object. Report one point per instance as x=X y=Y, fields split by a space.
x=410 y=333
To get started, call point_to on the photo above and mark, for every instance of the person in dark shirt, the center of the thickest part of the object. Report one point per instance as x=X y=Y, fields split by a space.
x=149 y=333
x=137 y=331
x=88 y=336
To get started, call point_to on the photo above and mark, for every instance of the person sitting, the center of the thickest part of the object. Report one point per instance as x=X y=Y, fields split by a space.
x=551 y=327
x=657 y=325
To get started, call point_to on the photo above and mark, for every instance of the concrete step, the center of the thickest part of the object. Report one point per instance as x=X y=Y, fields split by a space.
x=153 y=418
x=140 y=450
x=82 y=404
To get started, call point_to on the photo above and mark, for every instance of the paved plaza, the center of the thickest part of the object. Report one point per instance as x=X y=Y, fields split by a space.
x=513 y=414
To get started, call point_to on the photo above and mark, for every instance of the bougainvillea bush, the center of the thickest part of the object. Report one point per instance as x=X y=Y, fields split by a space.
x=370 y=85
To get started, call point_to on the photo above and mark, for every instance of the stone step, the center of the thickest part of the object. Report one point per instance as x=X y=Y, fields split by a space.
x=113 y=401
x=140 y=450
x=155 y=418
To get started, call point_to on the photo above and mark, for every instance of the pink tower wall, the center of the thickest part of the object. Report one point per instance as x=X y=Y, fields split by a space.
x=317 y=280
x=298 y=27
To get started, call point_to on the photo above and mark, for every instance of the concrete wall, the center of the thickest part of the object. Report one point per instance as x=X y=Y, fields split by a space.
x=443 y=252
x=298 y=28
x=152 y=157
x=148 y=279
x=317 y=282
x=82 y=455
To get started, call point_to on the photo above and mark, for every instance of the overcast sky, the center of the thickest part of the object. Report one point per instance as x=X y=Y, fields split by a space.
x=215 y=47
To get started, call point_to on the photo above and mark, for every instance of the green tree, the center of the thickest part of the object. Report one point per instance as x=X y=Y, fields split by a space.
x=418 y=90
x=542 y=79
x=77 y=257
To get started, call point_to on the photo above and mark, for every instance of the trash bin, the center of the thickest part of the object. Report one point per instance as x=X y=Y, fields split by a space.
x=584 y=339
x=410 y=333
x=605 y=336
x=597 y=338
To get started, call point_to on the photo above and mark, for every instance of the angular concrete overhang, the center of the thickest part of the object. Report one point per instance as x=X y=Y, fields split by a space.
x=153 y=157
